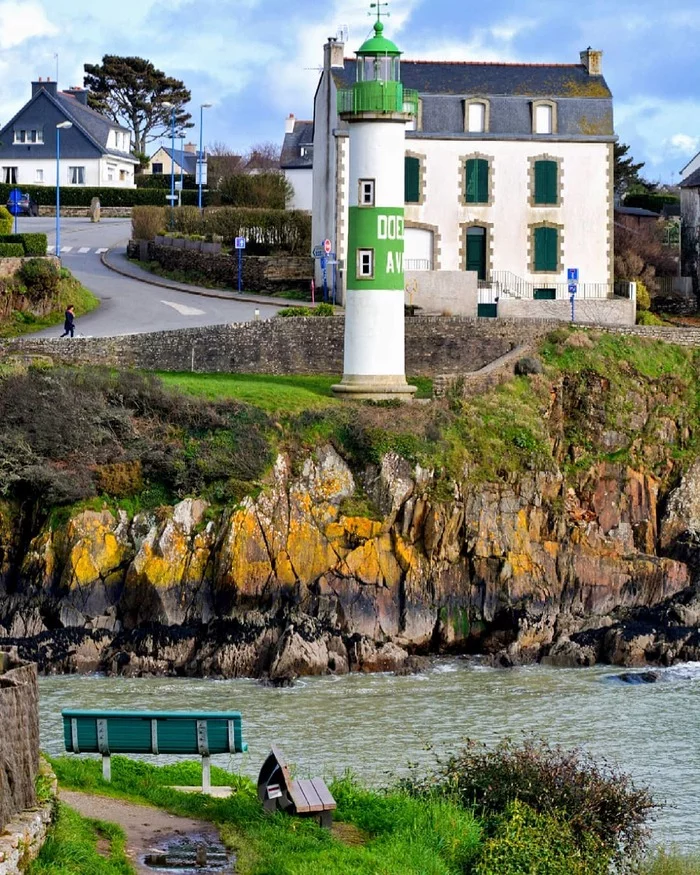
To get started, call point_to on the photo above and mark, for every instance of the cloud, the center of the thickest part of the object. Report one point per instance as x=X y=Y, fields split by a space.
x=683 y=144
x=21 y=20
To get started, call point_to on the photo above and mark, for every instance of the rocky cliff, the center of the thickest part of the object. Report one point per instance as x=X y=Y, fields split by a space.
x=584 y=551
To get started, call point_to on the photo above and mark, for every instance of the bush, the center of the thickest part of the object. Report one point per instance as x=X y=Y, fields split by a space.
x=322 y=310
x=146 y=222
x=269 y=191
x=643 y=296
x=596 y=802
x=6 y=220
x=524 y=841
x=653 y=202
x=644 y=317
x=32 y=244
x=41 y=278
x=186 y=220
x=11 y=250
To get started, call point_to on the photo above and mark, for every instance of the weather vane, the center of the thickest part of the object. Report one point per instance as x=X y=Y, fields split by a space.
x=378 y=7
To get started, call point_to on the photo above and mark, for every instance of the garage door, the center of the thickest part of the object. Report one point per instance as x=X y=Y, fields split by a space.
x=418 y=249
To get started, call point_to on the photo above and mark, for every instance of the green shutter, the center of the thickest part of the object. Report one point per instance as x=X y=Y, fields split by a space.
x=546 y=249
x=546 y=188
x=412 y=180
x=477 y=181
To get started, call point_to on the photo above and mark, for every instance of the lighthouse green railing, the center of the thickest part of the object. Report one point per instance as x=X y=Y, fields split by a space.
x=378 y=97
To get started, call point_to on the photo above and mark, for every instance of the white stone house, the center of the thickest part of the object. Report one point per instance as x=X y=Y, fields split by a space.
x=93 y=152
x=508 y=174
x=296 y=161
x=165 y=159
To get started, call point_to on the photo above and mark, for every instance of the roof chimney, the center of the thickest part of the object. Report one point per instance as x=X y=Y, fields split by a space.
x=592 y=60
x=191 y=148
x=289 y=124
x=333 y=52
x=80 y=94
x=48 y=86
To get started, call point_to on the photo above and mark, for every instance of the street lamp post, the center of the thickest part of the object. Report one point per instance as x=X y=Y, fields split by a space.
x=200 y=157
x=172 y=169
x=59 y=127
x=182 y=166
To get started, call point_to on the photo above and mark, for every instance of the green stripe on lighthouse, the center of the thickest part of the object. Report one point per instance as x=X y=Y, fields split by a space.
x=380 y=229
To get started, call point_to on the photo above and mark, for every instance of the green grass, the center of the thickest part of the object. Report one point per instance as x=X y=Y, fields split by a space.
x=392 y=833
x=71 y=848
x=273 y=394
x=671 y=863
x=70 y=292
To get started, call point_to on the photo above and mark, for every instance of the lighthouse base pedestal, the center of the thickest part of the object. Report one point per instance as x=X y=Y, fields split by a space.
x=370 y=387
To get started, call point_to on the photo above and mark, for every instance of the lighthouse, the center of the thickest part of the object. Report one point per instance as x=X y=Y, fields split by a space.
x=376 y=108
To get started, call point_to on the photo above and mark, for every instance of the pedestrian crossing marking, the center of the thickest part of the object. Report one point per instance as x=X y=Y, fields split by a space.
x=100 y=251
x=66 y=248
x=83 y=250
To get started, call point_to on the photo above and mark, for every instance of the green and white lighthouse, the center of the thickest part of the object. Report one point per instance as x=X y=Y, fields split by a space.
x=376 y=108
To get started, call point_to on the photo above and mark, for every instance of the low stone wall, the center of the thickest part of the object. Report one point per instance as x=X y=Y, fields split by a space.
x=19 y=735
x=10 y=266
x=595 y=311
x=445 y=292
x=84 y=212
x=24 y=836
x=491 y=375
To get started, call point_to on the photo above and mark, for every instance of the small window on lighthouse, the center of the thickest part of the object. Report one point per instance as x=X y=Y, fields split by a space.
x=366 y=198
x=365 y=263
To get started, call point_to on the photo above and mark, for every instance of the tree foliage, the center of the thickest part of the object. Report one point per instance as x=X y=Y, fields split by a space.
x=627 y=171
x=131 y=91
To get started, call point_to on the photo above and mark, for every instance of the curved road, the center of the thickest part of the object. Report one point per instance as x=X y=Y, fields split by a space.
x=129 y=306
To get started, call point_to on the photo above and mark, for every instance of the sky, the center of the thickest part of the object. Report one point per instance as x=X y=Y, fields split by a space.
x=257 y=61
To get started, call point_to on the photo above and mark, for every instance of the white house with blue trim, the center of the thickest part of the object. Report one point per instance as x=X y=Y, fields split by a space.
x=94 y=151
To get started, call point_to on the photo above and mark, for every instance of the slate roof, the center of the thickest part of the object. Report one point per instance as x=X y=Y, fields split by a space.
x=636 y=211
x=302 y=135
x=692 y=181
x=475 y=78
x=94 y=123
x=186 y=160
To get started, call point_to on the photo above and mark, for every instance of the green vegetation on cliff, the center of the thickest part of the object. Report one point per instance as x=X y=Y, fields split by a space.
x=69 y=291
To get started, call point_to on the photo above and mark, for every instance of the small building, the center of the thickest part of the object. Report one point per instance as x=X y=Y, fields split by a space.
x=635 y=217
x=296 y=161
x=690 y=228
x=165 y=158
x=94 y=151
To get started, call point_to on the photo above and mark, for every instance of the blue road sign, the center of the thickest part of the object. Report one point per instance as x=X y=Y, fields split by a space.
x=240 y=242
x=318 y=251
x=572 y=288
x=13 y=201
x=572 y=274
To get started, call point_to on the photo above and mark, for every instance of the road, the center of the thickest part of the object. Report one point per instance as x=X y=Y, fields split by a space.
x=129 y=306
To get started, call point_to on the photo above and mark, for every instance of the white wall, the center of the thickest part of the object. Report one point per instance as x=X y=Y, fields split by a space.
x=301 y=181
x=448 y=293
x=584 y=212
x=96 y=171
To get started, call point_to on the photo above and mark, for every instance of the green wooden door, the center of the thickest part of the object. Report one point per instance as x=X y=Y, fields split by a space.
x=411 y=180
x=476 y=250
x=546 y=249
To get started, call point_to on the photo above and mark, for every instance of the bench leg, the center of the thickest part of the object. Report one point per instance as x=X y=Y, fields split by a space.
x=107 y=768
x=206 y=775
x=326 y=819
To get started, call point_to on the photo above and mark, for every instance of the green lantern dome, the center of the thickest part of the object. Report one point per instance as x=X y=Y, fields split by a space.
x=378 y=44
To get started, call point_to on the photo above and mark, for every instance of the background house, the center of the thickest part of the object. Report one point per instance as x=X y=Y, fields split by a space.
x=94 y=151
x=508 y=172
x=164 y=158
x=690 y=228
x=296 y=161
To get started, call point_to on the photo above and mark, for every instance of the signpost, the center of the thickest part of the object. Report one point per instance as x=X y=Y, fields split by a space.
x=13 y=204
x=201 y=173
x=240 y=246
x=327 y=246
x=327 y=256
x=572 y=278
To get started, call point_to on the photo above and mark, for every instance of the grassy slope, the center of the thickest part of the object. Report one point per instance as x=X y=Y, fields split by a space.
x=393 y=834
x=70 y=292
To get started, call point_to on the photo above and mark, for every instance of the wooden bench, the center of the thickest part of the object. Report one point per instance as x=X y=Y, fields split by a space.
x=277 y=790
x=154 y=732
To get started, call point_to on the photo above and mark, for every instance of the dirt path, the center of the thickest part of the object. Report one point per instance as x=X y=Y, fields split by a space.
x=147 y=829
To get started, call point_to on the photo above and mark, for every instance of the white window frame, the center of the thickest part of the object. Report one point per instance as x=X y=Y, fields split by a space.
x=476 y=124
x=10 y=174
x=365 y=264
x=29 y=136
x=366 y=192
x=39 y=174
x=76 y=175
x=544 y=117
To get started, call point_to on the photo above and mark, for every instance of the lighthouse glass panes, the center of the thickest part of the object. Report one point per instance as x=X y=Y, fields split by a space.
x=365 y=263
x=380 y=68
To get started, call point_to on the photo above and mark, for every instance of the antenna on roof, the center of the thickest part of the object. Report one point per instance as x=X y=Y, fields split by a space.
x=55 y=55
x=343 y=33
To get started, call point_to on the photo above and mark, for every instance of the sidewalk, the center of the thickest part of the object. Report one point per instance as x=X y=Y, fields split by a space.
x=119 y=263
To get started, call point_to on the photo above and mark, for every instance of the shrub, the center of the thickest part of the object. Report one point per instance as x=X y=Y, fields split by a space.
x=41 y=278
x=524 y=841
x=146 y=222
x=643 y=296
x=287 y=312
x=594 y=801
x=6 y=220
x=32 y=244
x=323 y=310
x=645 y=317
x=186 y=220
x=11 y=250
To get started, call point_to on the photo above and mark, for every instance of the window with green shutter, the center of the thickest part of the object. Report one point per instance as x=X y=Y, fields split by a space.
x=411 y=180
x=546 y=182
x=546 y=249
x=477 y=181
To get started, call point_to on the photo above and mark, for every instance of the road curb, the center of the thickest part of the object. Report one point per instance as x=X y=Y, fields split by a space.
x=193 y=290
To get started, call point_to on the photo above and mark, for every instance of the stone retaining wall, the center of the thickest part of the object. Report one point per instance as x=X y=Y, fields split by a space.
x=314 y=345
x=24 y=836
x=19 y=735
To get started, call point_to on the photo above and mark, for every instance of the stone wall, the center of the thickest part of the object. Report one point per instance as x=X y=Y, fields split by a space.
x=10 y=266
x=434 y=345
x=24 y=836
x=596 y=311
x=19 y=735
x=448 y=292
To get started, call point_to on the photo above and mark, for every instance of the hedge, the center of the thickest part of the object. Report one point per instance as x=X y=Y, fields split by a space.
x=32 y=244
x=163 y=180
x=653 y=202
x=11 y=250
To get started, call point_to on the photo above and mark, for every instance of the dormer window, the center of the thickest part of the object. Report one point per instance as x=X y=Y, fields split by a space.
x=29 y=136
x=476 y=116
x=544 y=117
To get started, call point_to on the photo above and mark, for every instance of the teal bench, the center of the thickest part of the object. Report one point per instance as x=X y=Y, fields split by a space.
x=154 y=732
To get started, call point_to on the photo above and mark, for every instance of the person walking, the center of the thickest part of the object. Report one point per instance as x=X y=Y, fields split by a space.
x=69 y=322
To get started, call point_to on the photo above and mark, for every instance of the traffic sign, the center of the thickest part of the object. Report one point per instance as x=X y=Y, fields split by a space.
x=572 y=288
x=318 y=252
x=327 y=246
x=240 y=242
x=13 y=201
x=572 y=274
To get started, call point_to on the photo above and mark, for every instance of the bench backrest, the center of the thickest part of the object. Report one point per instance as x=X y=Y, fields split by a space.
x=172 y=732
